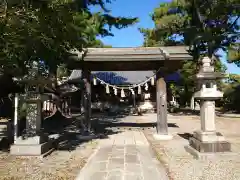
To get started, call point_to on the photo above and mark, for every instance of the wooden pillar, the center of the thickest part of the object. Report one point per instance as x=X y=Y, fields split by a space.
x=161 y=90
x=82 y=100
x=86 y=74
x=134 y=101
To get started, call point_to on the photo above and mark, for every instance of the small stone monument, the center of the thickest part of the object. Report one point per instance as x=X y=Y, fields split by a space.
x=33 y=142
x=207 y=140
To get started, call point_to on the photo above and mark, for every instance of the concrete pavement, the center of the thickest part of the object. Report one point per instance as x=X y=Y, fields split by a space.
x=125 y=155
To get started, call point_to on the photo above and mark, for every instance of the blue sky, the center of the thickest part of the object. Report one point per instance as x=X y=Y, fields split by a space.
x=131 y=37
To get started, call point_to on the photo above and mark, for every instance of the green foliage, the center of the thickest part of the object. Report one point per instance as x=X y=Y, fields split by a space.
x=234 y=53
x=203 y=26
x=62 y=71
x=231 y=97
x=99 y=44
x=48 y=30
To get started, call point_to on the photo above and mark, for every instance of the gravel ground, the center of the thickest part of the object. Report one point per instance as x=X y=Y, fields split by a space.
x=182 y=166
x=65 y=163
x=60 y=165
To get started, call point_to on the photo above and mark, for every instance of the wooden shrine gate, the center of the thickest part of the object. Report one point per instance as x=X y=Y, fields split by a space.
x=165 y=59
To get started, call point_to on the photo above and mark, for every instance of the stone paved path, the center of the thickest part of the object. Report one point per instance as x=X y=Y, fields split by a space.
x=124 y=156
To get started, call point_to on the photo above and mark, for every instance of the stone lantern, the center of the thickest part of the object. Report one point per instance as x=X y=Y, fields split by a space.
x=207 y=140
x=33 y=142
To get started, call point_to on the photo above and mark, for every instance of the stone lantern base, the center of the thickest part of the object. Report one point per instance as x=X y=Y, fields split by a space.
x=31 y=146
x=207 y=143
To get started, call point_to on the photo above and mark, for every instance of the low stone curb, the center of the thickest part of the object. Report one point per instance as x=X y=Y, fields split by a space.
x=159 y=155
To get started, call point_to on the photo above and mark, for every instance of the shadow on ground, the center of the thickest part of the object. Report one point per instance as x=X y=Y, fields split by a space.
x=137 y=125
x=103 y=124
x=190 y=112
x=68 y=133
x=70 y=129
x=185 y=112
x=186 y=136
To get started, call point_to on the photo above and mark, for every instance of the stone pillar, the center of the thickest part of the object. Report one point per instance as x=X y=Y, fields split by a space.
x=207 y=139
x=34 y=116
x=33 y=142
x=192 y=103
x=207 y=116
x=16 y=100
x=162 y=123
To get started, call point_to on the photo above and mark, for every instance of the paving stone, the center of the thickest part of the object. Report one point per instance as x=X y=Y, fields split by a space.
x=116 y=153
x=96 y=175
x=131 y=152
x=132 y=168
x=121 y=156
x=127 y=142
x=115 y=175
x=134 y=177
x=117 y=160
x=131 y=146
x=128 y=149
x=117 y=172
x=105 y=150
x=132 y=159
x=100 y=166
x=103 y=155
x=116 y=163
x=119 y=141
x=150 y=172
x=118 y=148
x=100 y=157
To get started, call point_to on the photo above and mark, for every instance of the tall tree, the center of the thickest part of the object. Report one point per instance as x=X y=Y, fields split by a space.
x=232 y=93
x=234 y=53
x=47 y=30
x=204 y=26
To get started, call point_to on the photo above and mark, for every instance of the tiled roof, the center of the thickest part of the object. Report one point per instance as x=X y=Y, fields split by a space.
x=134 y=54
x=123 y=77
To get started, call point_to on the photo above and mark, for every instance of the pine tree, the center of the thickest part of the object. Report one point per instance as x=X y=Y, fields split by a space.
x=204 y=26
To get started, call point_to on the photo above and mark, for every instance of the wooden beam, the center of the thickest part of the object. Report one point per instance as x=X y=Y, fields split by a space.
x=87 y=98
x=141 y=54
x=120 y=65
x=161 y=94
